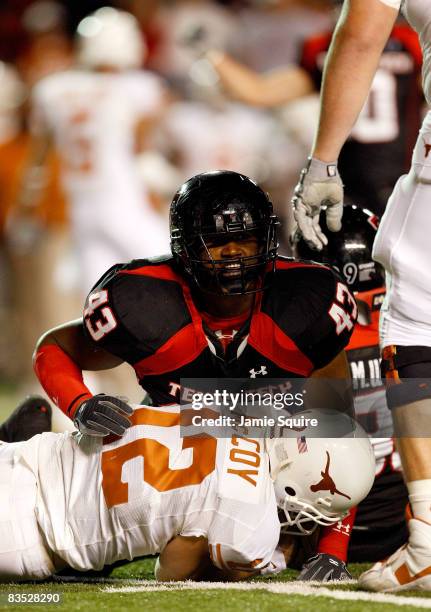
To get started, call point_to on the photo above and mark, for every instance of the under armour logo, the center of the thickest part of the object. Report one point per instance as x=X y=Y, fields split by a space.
x=427 y=148
x=342 y=529
x=262 y=372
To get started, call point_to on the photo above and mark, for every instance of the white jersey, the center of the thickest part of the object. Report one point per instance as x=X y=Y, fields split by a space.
x=418 y=14
x=402 y=244
x=92 y=117
x=231 y=136
x=98 y=503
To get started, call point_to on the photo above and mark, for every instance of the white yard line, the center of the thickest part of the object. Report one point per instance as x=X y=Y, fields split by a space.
x=299 y=588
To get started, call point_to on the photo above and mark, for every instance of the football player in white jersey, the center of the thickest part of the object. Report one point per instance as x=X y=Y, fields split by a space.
x=402 y=245
x=97 y=116
x=74 y=500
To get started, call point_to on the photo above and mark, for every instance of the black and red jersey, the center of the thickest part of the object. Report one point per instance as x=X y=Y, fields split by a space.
x=144 y=313
x=383 y=508
x=379 y=148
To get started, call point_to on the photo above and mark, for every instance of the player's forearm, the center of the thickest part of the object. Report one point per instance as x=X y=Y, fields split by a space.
x=183 y=558
x=263 y=90
x=353 y=58
x=334 y=539
x=61 y=378
x=59 y=358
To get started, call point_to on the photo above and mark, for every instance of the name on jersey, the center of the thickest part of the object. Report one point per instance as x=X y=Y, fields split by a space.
x=246 y=459
x=366 y=374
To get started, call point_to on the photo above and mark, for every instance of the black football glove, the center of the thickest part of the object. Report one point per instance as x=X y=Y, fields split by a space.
x=324 y=568
x=102 y=415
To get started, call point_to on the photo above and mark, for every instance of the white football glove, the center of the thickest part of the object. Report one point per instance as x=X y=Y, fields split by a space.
x=319 y=185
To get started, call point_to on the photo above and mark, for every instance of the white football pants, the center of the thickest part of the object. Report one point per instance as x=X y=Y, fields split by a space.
x=403 y=247
x=23 y=554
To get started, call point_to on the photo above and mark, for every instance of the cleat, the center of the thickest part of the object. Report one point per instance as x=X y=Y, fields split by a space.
x=32 y=416
x=409 y=568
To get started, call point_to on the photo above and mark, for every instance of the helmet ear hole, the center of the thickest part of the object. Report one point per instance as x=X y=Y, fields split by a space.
x=290 y=491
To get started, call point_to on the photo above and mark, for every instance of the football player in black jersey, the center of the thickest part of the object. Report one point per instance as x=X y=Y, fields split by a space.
x=224 y=304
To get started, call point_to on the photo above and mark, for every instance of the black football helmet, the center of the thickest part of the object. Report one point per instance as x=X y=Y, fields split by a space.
x=216 y=208
x=349 y=250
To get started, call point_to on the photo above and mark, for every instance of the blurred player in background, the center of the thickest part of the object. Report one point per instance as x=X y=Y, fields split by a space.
x=184 y=28
x=380 y=143
x=402 y=245
x=28 y=279
x=211 y=508
x=379 y=526
x=378 y=148
x=97 y=116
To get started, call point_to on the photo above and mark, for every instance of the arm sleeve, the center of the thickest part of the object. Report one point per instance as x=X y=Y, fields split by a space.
x=334 y=539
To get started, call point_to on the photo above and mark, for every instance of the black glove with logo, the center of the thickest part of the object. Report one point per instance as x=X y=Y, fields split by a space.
x=102 y=415
x=324 y=568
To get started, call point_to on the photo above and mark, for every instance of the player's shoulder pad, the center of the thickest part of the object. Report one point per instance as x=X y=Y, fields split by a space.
x=145 y=304
x=296 y=278
x=310 y=303
x=136 y=267
x=55 y=83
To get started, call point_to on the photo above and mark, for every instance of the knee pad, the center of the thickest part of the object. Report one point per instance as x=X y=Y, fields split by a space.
x=407 y=372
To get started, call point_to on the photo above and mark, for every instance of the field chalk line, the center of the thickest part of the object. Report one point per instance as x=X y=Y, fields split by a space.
x=299 y=588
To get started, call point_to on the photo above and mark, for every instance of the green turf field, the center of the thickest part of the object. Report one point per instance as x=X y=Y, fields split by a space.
x=132 y=587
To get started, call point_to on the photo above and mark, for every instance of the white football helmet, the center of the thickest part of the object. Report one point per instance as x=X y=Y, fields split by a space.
x=109 y=37
x=318 y=480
